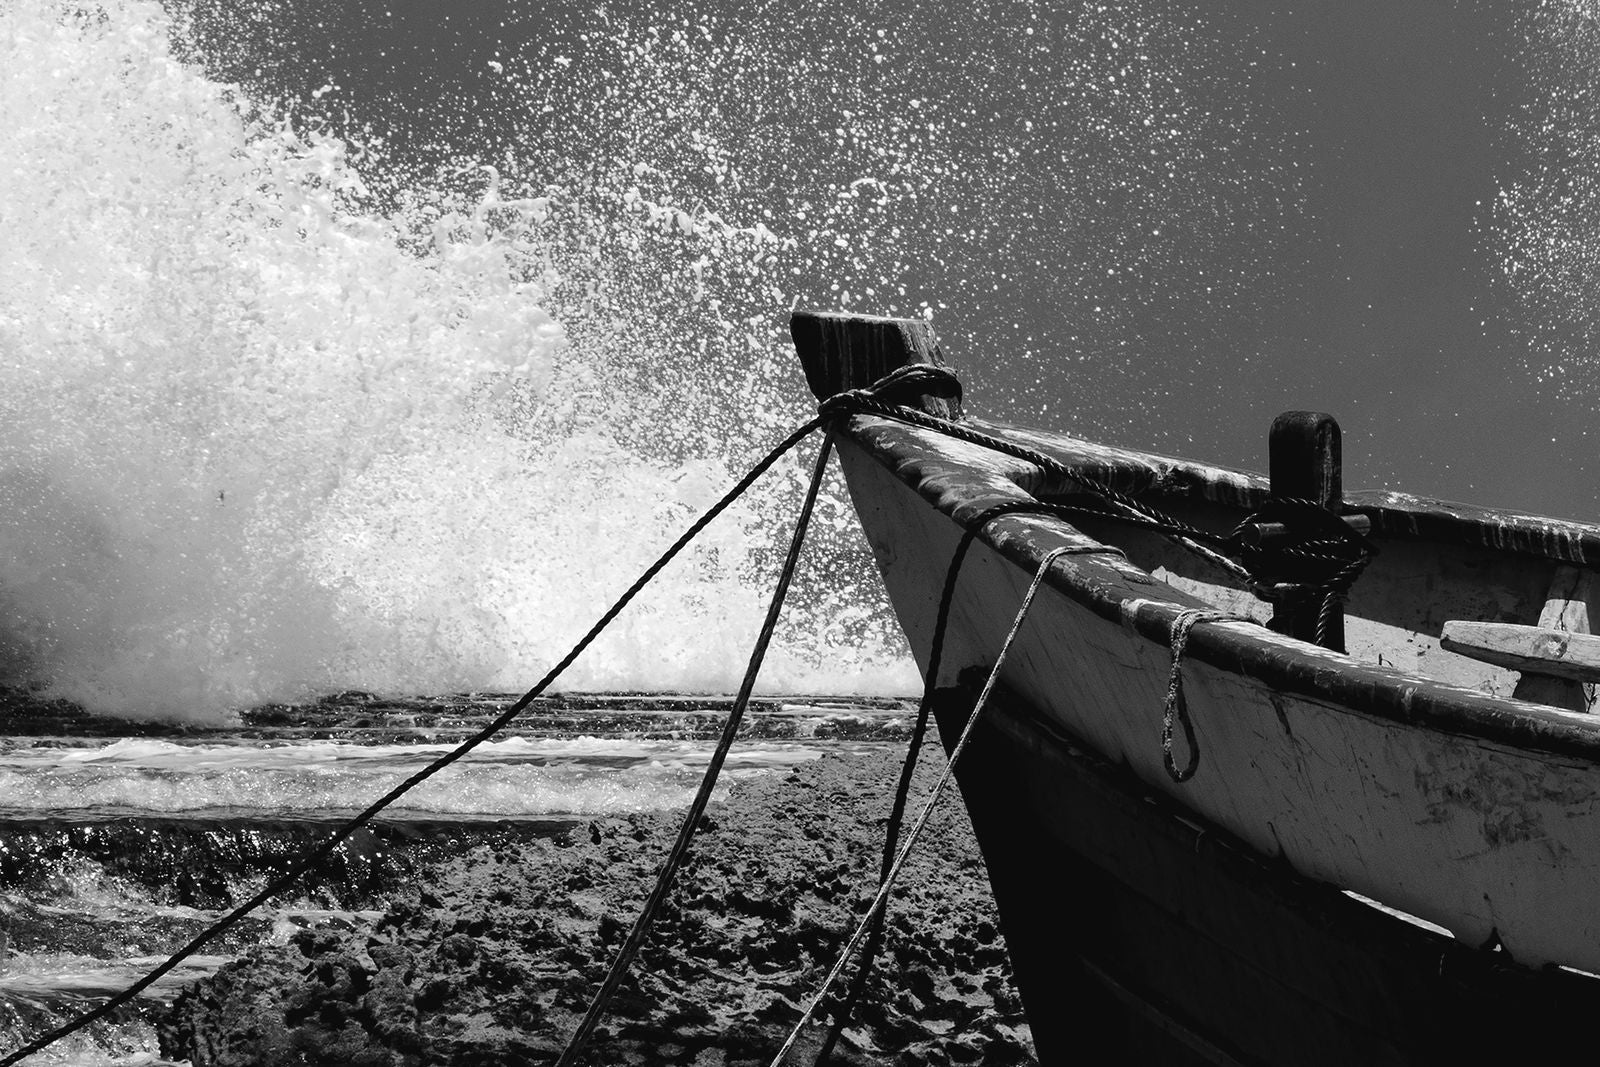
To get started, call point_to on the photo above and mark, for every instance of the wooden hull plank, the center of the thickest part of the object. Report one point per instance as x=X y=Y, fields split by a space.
x=1130 y=924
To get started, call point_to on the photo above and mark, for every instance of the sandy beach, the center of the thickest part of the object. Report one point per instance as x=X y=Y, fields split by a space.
x=490 y=957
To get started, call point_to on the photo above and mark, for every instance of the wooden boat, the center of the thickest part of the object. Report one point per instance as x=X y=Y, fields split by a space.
x=1387 y=850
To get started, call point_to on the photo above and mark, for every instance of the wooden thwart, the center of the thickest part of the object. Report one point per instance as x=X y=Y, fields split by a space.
x=1556 y=657
x=1534 y=649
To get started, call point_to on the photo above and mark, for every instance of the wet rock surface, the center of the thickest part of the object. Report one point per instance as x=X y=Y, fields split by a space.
x=490 y=957
x=365 y=718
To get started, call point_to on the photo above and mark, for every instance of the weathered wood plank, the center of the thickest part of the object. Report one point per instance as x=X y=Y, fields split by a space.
x=840 y=352
x=1223 y=949
x=1568 y=606
x=1533 y=649
x=1571 y=602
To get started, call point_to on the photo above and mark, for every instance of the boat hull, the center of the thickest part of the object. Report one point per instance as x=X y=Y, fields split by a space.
x=1497 y=844
x=1138 y=931
x=1384 y=856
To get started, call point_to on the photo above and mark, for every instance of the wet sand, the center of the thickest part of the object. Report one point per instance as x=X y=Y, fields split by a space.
x=490 y=957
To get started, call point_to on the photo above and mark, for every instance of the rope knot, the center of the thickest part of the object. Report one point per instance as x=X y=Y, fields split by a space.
x=1315 y=558
x=1316 y=550
x=902 y=386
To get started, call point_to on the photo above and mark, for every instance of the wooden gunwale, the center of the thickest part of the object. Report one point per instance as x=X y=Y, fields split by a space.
x=1117 y=591
x=1393 y=514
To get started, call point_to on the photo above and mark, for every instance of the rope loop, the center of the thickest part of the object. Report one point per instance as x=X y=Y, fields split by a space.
x=1176 y=709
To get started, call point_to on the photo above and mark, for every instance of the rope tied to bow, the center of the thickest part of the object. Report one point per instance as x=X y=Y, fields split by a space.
x=1322 y=558
x=885 y=398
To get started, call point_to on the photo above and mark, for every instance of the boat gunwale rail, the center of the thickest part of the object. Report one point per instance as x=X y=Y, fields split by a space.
x=1394 y=514
x=1122 y=593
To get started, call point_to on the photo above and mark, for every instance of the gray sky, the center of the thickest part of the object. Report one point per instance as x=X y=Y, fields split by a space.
x=1158 y=223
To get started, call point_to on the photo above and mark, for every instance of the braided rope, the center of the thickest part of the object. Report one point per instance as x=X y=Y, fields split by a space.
x=1340 y=555
x=1176 y=710
x=975 y=526
x=882 y=896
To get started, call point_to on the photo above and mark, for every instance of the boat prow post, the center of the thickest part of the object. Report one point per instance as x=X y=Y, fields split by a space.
x=841 y=351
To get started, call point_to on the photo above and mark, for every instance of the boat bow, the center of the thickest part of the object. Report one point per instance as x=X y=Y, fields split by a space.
x=1394 y=771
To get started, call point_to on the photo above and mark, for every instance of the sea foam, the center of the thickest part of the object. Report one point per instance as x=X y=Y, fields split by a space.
x=263 y=435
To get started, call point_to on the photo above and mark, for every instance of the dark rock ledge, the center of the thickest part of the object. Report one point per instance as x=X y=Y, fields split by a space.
x=490 y=958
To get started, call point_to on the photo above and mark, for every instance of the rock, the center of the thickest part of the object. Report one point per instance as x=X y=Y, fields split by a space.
x=492 y=957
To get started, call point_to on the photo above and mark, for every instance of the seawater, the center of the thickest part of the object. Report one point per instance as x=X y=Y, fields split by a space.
x=518 y=777
x=288 y=412
x=116 y=850
x=267 y=433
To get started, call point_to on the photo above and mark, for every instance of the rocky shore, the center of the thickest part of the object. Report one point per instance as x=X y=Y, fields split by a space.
x=490 y=957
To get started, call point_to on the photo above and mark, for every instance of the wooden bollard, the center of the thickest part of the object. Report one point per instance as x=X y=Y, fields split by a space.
x=1304 y=457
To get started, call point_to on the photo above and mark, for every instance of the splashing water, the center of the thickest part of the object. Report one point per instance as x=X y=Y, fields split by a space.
x=1544 y=223
x=260 y=439
x=513 y=778
x=313 y=385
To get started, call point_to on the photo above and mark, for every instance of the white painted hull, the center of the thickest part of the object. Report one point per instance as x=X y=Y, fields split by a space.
x=1461 y=827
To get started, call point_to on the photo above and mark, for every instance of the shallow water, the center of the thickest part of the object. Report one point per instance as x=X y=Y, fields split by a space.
x=515 y=778
x=116 y=850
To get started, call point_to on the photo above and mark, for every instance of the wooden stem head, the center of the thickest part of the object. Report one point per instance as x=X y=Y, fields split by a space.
x=842 y=351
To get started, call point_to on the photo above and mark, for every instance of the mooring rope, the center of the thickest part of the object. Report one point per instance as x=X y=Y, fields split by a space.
x=869 y=954
x=908 y=382
x=1339 y=552
x=691 y=820
x=882 y=896
x=294 y=874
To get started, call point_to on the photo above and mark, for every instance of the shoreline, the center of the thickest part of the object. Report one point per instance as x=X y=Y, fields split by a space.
x=491 y=956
